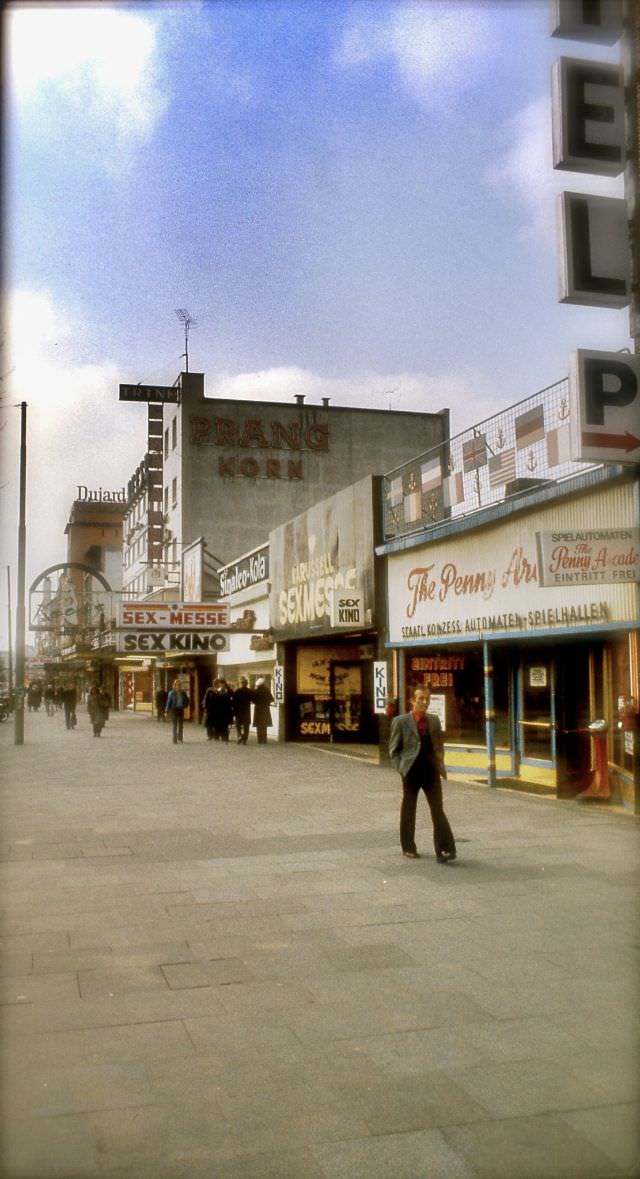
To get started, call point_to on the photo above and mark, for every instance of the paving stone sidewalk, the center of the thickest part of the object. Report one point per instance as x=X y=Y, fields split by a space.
x=217 y=965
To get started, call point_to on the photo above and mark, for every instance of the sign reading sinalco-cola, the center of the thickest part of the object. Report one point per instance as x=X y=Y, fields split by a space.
x=245 y=572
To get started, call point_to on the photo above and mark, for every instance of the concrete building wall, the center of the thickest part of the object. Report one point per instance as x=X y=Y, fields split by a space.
x=244 y=467
x=94 y=537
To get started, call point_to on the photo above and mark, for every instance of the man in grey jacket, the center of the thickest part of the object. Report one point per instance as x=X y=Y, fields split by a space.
x=416 y=751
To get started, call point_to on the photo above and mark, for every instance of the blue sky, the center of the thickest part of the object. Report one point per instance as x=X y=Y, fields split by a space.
x=353 y=199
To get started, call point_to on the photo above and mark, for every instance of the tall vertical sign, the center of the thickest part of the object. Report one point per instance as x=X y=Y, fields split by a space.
x=595 y=267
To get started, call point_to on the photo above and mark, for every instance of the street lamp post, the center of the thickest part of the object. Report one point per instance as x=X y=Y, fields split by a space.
x=10 y=627
x=20 y=603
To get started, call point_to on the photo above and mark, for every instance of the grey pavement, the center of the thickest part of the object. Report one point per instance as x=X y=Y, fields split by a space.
x=217 y=965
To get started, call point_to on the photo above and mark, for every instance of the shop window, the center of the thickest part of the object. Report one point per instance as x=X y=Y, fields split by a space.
x=455 y=680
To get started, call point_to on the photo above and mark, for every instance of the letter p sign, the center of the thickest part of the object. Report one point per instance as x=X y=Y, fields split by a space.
x=605 y=397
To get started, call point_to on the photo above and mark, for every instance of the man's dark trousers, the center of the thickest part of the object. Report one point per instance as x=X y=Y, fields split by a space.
x=424 y=775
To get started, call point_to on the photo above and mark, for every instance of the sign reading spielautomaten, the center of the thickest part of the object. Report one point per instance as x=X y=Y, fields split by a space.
x=588 y=557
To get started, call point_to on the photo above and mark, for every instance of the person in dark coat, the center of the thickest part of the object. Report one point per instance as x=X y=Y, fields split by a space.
x=416 y=751
x=177 y=701
x=98 y=709
x=217 y=707
x=262 y=699
x=161 y=700
x=69 y=700
x=242 y=698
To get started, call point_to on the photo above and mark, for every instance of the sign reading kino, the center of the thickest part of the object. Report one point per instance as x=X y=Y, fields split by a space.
x=175 y=627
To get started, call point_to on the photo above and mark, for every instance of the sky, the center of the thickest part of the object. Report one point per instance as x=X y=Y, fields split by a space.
x=352 y=199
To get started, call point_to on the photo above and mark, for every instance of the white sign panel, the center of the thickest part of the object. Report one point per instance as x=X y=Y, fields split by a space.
x=438 y=706
x=379 y=687
x=278 y=684
x=605 y=398
x=487 y=583
x=192 y=567
x=584 y=20
x=595 y=262
x=588 y=117
x=173 y=616
x=162 y=642
x=347 y=609
x=588 y=557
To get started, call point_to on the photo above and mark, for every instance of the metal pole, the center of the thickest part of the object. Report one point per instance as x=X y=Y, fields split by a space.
x=10 y=629
x=489 y=714
x=20 y=611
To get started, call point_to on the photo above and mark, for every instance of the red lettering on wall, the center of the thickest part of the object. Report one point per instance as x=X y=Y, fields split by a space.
x=225 y=432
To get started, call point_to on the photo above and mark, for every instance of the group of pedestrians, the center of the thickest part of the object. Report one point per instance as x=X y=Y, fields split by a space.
x=222 y=707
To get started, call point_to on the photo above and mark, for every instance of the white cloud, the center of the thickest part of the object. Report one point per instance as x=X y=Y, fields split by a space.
x=77 y=432
x=96 y=65
x=436 y=41
x=525 y=171
x=417 y=392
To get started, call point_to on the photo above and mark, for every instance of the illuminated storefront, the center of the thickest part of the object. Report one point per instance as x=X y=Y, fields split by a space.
x=323 y=611
x=524 y=623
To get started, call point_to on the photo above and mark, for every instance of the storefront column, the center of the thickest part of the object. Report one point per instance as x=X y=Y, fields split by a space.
x=489 y=714
x=402 y=687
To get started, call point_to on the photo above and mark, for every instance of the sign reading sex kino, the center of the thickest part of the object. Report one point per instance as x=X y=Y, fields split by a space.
x=171 y=628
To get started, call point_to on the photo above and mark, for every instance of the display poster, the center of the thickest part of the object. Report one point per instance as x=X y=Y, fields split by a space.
x=328 y=548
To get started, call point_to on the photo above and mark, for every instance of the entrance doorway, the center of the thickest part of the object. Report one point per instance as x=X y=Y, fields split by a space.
x=345 y=700
x=535 y=721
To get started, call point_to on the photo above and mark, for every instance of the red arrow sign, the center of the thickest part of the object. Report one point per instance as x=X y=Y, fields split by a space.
x=625 y=441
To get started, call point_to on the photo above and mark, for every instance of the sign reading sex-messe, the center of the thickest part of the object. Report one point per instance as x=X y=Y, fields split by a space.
x=149 y=393
x=176 y=616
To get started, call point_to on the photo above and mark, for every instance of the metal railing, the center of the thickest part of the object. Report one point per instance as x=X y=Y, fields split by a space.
x=512 y=451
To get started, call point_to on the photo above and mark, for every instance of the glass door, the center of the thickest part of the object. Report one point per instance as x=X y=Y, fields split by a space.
x=536 y=721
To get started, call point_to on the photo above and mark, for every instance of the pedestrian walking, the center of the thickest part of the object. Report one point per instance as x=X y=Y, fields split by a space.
x=69 y=700
x=217 y=707
x=177 y=701
x=98 y=708
x=242 y=699
x=417 y=752
x=161 y=702
x=262 y=699
x=50 y=699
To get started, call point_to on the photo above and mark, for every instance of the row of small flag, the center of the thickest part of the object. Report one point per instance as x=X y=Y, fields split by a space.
x=501 y=468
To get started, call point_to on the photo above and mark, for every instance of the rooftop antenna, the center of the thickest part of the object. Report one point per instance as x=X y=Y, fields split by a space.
x=187 y=319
